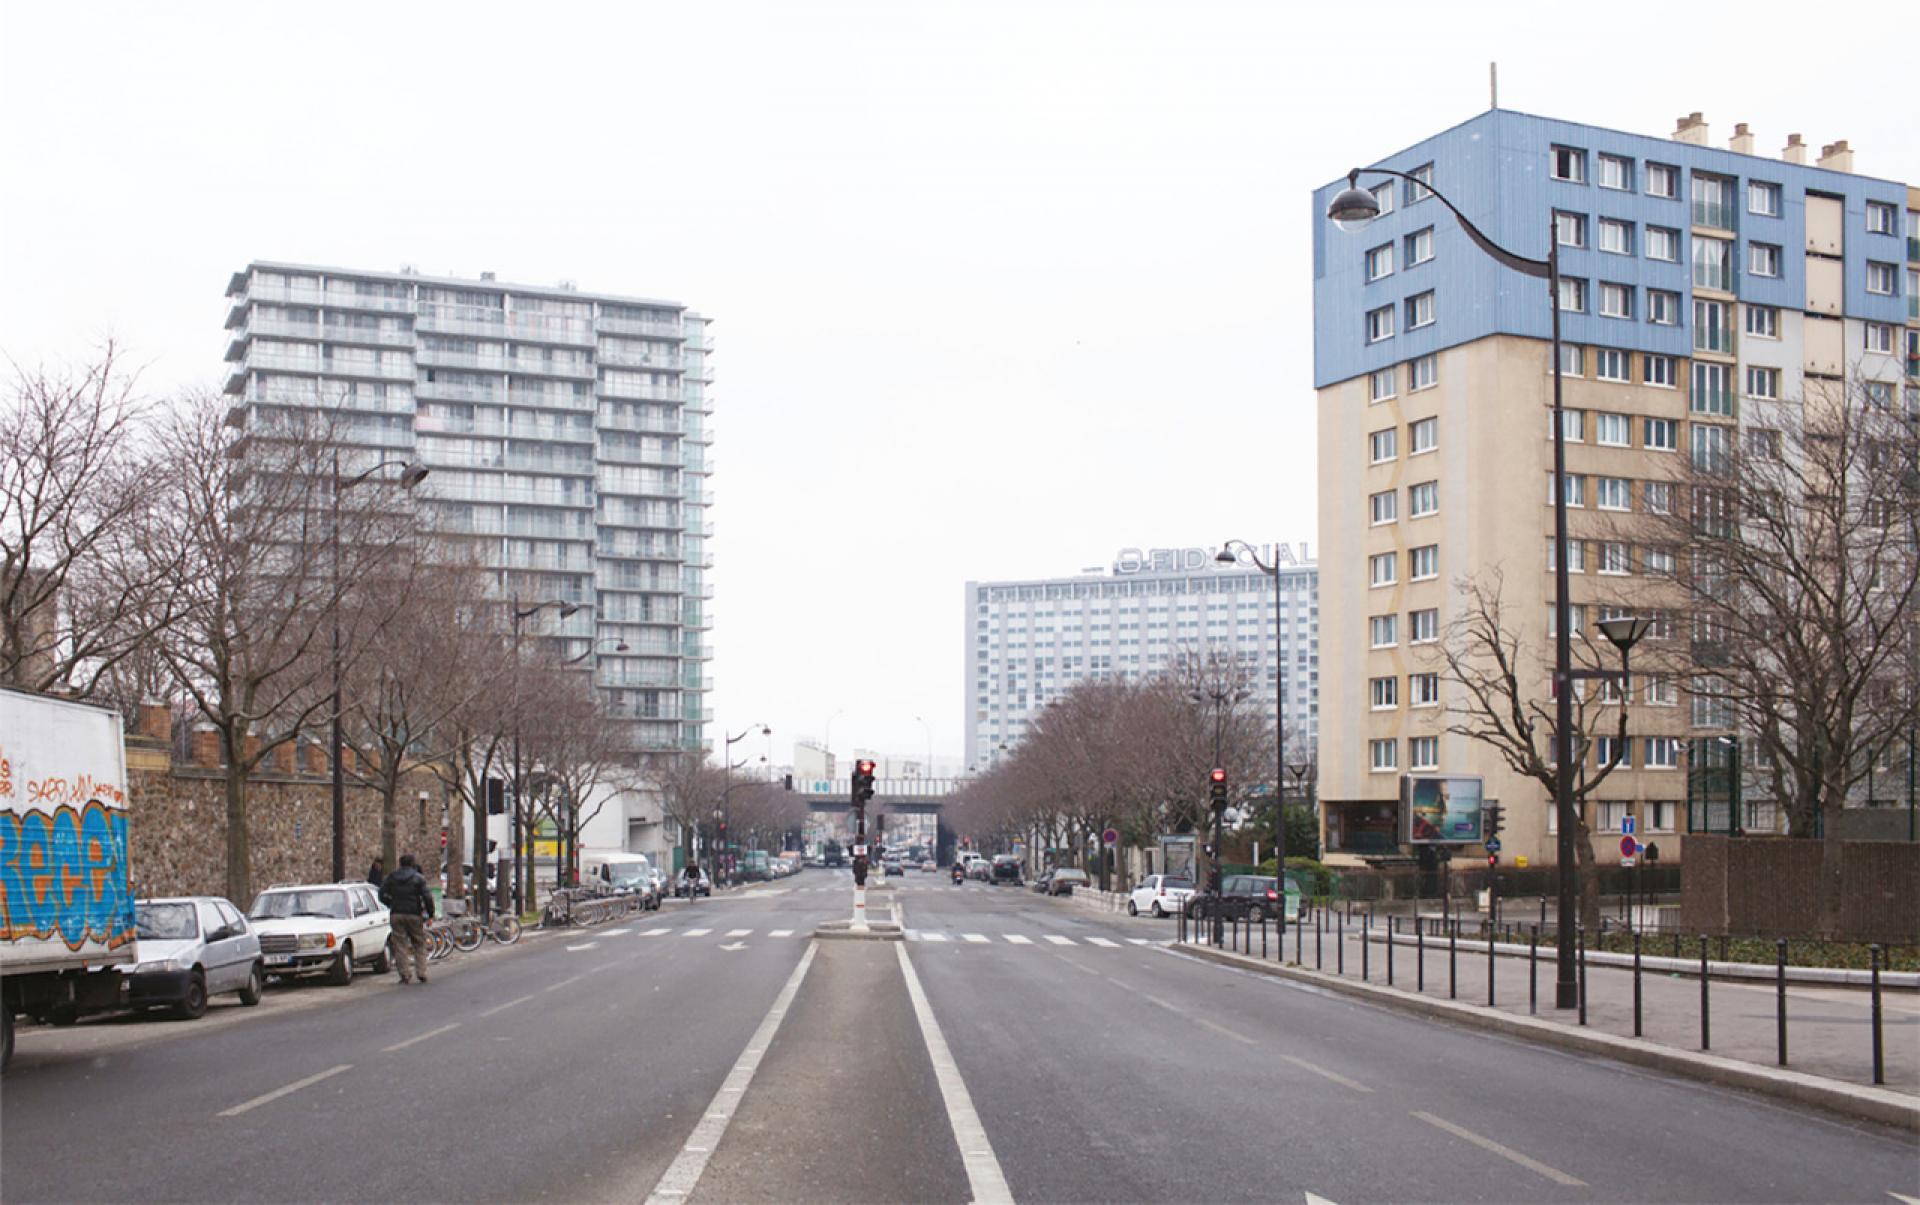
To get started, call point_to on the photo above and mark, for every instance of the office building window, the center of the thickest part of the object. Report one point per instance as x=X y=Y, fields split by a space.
x=1380 y=261
x=1423 y=436
x=1380 y=324
x=1763 y=443
x=1663 y=244
x=1385 y=630
x=1576 y=561
x=1663 y=307
x=1573 y=360
x=1573 y=295
x=1660 y=370
x=1423 y=499
x=1881 y=218
x=1380 y=384
x=1614 y=558
x=1423 y=563
x=1663 y=180
x=1880 y=278
x=1573 y=425
x=1423 y=627
x=1419 y=246
x=1420 y=310
x=1384 y=692
x=1657 y=559
x=1763 y=321
x=1383 y=196
x=1660 y=435
x=1660 y=753
x=1569 y=163
x=1612 y=364
x=1763 y=259
x=1384 y=756
x=1424 y=372
x=1423 y=753
x=1612 y=493
x=1416 y=187
x=1616 y=236
x=1763 y=382
x=1570 y=229
x=1663 y=692
x=1382 y=569
x=1616 y=301
x=1383 y=507
x=1576 y=489
x=1879 y=338
x=1712 y=389
x=1763 y=198
x=1383 y=446
x=1423 y=690
x=1616 y=172
x=1656 y=497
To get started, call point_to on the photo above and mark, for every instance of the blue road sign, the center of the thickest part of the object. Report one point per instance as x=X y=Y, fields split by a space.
x=1493 y=845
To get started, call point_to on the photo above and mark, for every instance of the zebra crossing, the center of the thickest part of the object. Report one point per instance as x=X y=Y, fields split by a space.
x=1039 y=941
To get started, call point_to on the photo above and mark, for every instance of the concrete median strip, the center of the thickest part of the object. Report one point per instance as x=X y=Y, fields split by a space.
x=1859 y=1101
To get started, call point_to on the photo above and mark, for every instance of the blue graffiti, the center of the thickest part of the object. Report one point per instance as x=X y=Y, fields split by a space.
x=64 y=874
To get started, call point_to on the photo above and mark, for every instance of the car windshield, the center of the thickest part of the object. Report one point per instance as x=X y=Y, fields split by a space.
x=277 y=905
x=630 y=878
x=164 y=922
x=1180 y=884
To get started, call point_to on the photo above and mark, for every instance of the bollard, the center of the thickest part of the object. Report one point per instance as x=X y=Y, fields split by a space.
x=1490 y=1003
x=1390 y=921
x=1366 y=944
x=1879 y=1061
x=1533 y=971
x=1636 y=983
x=1543 y=912
x=1706 y=1027
x=1581 y=931
x=1453 y=953
x=1420 y=952
x=1780 y=995
x=1319 y=928
x=1339 y=944
x=1299 y=941
x=1263 y=937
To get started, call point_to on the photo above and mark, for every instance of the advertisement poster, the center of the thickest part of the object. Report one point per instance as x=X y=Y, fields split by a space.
x=1177 y=856
x=1441 y=809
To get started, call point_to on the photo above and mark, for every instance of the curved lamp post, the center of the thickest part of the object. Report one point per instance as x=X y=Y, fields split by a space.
x=726 y=760
x=1352 y=209
x=1226 y=556
x=520 y=614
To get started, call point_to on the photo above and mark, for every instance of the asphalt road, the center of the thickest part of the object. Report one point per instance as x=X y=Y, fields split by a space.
x=712 y=1052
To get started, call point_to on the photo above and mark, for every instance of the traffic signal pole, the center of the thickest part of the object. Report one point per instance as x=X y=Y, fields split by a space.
x=862 y=792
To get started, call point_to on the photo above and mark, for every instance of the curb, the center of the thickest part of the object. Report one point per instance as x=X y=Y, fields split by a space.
x=1858 y=1101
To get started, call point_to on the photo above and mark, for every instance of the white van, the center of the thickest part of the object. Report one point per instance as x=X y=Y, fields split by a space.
x=626 y=873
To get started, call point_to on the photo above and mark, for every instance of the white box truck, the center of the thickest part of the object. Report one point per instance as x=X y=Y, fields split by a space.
x=66 y=899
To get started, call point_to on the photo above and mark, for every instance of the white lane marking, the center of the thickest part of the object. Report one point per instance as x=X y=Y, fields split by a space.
x=277 y=1093
x=1101 y=941
x=734 y=945
x=1201 y=1021
x=1058 y=940
x=1314 y=1198
x=683 y=1174
x=1335 y=1076
x=431 y=1033
x=656 y=932
x=975 y=936
x=1139 y=941
x=781 y=933
x=934 y=936
x=1018 y=940
x=615 y=932
x=984 y=1177
x=1505 y=1152
x=500 y=1008
x=554 y=987
x=696 y=932
x=583 y=946
x=739 y=932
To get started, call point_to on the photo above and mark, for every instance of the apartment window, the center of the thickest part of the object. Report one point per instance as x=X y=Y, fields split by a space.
x=1879 y=338
x=1616 y=172
x=1613 y=430
x=1612 y=493
x=1383 y=507
x=1382 y=569
x=1709 y=452
x=1384 y=692
x=1612 y=364
x=1763 y=198
x=1656 y=497
x=1663 y=180
x=1616 y=236
x=1763 y=443
x=1713 y=264
x=1383 y=446
x=1385 y=630
x=1419 y=246
x=1380 y=324
x=1573 y=295
x=1663 y=243
x=1881 y=218
x=1712 y=390
x=1663 y=692
x=1660 y=370
x=1380 y=261
x=1613 y=751
x=1423 y=627
x=1660 y=435
x=1423 y=753
x=1614 y=558
x=1879 y=394
x=1380 y=384
x=1763 y=383
x=1423 y=563
x=1611 y=810
x=1880 y=278
x=1423 y=373
x=1763 y=259
x=1417 y=190
x=1420 y=310
x=1570 y=163
x=1763 y=321
x=1576 y=557
x=1570 y=229
x=1713 y=327
x=1383 y=196
x=1385 y=755
x=1712 y=202
x=1616 y=301
x=1423 y=499
x=1576 y=489
x=1423 y=436
x=1423 y=690
x=1573 y=360
x=1660 y=752
x=1663 y=308
x=1657 y=559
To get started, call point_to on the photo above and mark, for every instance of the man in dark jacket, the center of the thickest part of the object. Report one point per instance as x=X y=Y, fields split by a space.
x=405 y=893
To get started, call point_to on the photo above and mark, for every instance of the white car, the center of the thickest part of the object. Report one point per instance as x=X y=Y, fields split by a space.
x=334 y=928
x=1159 y=895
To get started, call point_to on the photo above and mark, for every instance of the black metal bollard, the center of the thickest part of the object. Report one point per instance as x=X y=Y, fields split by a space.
x=1636 y=983
x=1706 y=1022
x=1780 y=995
x=1390 y=925
x=1453 y=953
x=1366 y=944
x=1581 y=930
x=1319 y=928
x=1490 y=956
x=1543 y=912
x=1263 y=937
x=1339 y=944
x=1299 y=941
x=1533 y=971
x=1420 y=951
x=1879 y=1059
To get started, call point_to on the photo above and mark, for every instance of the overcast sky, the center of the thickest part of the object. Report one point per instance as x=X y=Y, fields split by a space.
x=999 y=288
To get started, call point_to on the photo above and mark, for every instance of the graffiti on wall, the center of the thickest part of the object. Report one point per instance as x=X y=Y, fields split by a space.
x=63 y=873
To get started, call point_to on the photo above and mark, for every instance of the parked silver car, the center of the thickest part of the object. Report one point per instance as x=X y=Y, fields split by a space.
x=187 y=949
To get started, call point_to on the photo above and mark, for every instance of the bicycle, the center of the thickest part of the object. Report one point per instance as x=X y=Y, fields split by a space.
x=505 y=929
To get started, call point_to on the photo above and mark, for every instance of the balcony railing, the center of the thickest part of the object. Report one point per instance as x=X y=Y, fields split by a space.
x=453 y=324
x=1714 y=215
x=342 y=299
x=549 y=368
x=631 y=326
x=1713 y=338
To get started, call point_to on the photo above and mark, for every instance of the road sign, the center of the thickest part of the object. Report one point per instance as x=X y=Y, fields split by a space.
x=1111 y=836
x=1626 y=825
x=1493 y=845
x=859 y=851
x=1628 y=847
x=1627 y=863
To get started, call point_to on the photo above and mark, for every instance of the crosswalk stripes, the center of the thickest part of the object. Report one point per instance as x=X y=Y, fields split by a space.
x=656 y=932
x=739 y=932
x=1101 y=941
x=933 y=937
x=1018 y=939
x=781 y=933
x=696 y=932
x=1057 y=940
x=921 y=935
x=616 y=932
x=975 y=937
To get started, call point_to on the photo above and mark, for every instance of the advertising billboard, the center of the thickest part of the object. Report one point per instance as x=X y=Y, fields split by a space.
x=1440 y=809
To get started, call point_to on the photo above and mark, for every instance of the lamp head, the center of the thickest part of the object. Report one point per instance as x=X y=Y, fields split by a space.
x=566 y=609
x=1354 y=207
x=413 y=475
x=1626 y=630
x=1225 y=555
x=622 y=647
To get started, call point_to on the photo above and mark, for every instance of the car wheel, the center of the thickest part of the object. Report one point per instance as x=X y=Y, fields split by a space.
x=194 y=1006
x=1133 y=909
x=340 y=974
x=256 y=984
x=1158 y=911
x=384 y=963
x=1256 y=916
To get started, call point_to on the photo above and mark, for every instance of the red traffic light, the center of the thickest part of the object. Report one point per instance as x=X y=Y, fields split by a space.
x=863 y=766
x=1217 y=776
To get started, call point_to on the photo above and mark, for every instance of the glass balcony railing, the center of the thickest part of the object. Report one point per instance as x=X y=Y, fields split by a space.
x=1714 y=339
x=1714 y=215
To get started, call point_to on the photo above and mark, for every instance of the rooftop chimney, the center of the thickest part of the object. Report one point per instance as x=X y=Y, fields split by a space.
x=1795 y=151
x=1837 y=156
x=1691 y=128
x=1741 y=142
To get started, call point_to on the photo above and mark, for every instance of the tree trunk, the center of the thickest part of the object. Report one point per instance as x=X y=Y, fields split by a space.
x=1586 y=881
x=239 y=846
x=389 y=819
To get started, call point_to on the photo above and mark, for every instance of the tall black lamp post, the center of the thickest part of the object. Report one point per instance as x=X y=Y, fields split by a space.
x=520 y=615
x=1350 y=210
x=410 y=475
x=1226 y=557
x=726 y=760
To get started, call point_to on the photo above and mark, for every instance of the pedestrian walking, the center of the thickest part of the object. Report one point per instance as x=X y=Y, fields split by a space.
x=405 y=893
x=376 y=874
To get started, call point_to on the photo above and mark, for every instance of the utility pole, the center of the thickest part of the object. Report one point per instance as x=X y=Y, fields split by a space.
x=862 y=792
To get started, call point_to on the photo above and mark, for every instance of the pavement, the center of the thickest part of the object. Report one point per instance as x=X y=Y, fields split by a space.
x=1012 y=1047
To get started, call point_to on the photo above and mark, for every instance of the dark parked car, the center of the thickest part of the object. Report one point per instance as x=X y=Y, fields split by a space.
x=1006 y=869
x=1248 y=897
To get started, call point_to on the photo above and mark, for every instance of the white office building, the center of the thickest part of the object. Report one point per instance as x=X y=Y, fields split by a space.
x=566 y=437
x=1029 y=642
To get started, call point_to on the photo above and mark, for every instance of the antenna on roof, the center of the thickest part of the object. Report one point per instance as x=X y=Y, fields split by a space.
x=1493 y=84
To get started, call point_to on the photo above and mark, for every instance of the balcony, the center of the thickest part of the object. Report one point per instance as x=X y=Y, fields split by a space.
x=344 y=300
x=1713 y=338
x=549 y=328
x=334 y=332
x=660 y=363
x=631 y=326
x=653 y=680
x=545 y=560
x=433 y=357
x=528 y=366
x=639 y=393
x=534 y=463
x=258 y=291
x=545 y=399
x=388 y=370
x=454 y=392
x=434 y=319
x=1713 y=215
x=661 y=422
x=618 y=454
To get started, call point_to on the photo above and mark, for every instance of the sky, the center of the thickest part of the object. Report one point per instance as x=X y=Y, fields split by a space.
x=998 y=288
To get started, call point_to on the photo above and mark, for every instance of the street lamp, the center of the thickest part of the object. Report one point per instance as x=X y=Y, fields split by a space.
x=1352 y=209
x=521 y=614
x=410 y=475
x=1226 y=557
x=726 y=760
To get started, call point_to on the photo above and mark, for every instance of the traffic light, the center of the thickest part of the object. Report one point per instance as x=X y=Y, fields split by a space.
x=1217 y=787
x=1496 y=816
x=862 y=781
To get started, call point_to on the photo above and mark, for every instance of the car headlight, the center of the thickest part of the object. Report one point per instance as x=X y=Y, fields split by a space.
x=316 y=941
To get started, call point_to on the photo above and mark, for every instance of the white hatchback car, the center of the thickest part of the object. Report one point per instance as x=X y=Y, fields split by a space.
x=331 y=928
x=1159 y=895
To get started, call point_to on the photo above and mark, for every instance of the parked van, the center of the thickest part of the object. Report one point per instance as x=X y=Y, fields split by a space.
x=626 y=873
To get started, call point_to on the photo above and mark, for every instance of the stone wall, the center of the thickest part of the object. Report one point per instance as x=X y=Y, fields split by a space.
x=1774 y=887
x=178 y=821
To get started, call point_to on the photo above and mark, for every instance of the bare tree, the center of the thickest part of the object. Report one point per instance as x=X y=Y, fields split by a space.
x=689 y=786
x=573 y=750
